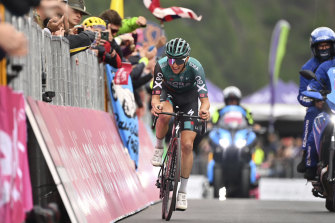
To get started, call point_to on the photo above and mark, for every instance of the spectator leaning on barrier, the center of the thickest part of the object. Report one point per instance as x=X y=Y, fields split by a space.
x=75 y=12
x=113 y=24
x=13 y=42
x=45 y=11
x=102 y=46
x=56 y=17
x=117 y=26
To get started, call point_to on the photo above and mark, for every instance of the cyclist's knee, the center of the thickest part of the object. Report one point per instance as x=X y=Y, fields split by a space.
x=164 y=119
x=187 y=147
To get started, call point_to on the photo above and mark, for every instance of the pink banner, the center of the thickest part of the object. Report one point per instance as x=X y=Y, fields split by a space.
x=15 y=187
x=146 y=172
x=96 y=170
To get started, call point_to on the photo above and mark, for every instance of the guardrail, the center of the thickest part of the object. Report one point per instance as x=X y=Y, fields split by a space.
x=48 y=70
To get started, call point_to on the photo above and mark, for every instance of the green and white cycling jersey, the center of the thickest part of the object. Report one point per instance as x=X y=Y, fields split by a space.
x=193 y=76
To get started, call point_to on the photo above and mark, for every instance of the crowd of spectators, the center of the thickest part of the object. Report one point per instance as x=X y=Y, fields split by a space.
x=113 y=40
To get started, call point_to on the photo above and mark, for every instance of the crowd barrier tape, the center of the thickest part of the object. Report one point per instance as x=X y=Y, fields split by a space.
x=123 y=104
x=93 y=172
x=15 y=187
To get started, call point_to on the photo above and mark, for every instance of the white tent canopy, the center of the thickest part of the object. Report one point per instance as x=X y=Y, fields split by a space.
x=286 y=105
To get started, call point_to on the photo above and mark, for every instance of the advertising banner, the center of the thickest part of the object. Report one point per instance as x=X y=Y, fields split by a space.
x=98 y=175
x=15 y=187
x=124 y=108
x=146 y=172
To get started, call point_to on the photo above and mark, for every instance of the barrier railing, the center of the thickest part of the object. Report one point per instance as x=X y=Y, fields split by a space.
x=49 y=70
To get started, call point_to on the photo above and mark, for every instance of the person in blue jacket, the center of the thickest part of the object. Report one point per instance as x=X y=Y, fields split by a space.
x=322 y=42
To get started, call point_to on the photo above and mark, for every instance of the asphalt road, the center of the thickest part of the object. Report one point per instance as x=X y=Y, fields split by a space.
x=240 y=211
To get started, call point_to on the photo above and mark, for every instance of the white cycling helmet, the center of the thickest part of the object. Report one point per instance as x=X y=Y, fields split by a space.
x=231 y=92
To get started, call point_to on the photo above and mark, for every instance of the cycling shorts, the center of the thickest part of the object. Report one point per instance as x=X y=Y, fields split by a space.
x=186 y=102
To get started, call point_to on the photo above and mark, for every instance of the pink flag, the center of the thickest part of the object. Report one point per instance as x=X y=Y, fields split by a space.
x=168 y=14
x=15 y=188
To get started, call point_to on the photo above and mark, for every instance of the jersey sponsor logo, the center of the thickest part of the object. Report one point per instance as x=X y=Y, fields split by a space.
x=159 y=76
x=199 y=80
x=177 y=84
x=190 y=112
x=201 y=87
x=194 y=66
x=158 y=84
x=177 y=129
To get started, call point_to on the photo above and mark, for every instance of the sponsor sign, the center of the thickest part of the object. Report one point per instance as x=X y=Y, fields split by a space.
x=96 y=172
x=15 y=187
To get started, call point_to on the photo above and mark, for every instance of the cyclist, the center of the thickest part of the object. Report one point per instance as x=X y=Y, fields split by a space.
x=322 y=42
x=179 y=80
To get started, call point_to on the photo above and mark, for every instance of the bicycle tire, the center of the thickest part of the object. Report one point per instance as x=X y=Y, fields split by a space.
x=171 y=179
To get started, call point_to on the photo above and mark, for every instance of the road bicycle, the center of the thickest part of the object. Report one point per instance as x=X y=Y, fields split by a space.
x=169 y=174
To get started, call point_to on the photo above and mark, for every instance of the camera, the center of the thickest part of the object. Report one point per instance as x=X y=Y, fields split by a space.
x=104 y=35
x=80 y=29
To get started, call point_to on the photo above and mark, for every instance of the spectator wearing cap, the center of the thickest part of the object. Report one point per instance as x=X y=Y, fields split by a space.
x=75 y=12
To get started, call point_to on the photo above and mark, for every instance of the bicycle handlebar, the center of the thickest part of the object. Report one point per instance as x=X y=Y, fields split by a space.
x=180 y=114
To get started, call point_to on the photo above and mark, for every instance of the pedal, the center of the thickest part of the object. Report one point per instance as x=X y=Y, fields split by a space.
x=158 y=184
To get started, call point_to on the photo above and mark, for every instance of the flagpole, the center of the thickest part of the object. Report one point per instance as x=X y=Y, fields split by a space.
x=277 y=52
x=117 y=5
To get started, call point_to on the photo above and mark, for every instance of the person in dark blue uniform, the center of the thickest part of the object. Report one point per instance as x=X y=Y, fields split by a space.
x=322 y=42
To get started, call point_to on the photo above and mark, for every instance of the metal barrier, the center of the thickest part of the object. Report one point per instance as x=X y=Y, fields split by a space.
x=48 y=68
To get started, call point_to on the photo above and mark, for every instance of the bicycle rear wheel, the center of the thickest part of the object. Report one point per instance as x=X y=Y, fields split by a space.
x=171 y=177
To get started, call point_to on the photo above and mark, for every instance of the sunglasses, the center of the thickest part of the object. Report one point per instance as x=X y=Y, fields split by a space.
x=114 y=30
x=177 y=61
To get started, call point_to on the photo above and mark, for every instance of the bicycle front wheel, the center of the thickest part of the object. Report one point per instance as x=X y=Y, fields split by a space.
x=171 y=178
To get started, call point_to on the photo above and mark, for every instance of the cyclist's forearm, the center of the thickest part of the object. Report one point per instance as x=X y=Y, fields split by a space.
x=205 y=105
x=155 y=100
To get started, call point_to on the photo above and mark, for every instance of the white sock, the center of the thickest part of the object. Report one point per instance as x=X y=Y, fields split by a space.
x=159 y=143
x=183 y=185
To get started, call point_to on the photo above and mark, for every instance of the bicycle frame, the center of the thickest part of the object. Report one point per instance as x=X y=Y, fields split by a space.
x=169 y=174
